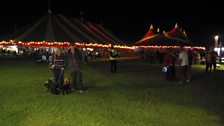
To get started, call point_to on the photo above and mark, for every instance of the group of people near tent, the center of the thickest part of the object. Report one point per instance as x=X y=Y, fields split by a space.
x=185 y=58
x=211 y=57
x=73 y=59
x=170 y=60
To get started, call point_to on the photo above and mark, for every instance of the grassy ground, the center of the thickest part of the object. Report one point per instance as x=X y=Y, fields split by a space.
x=137 y=95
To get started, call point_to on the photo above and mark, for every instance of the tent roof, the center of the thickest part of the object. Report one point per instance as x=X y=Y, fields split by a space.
x=49 y=28
x=177 y=34
x=58 y=28
x=149 y=33
x=172 y=38
x=162 y=40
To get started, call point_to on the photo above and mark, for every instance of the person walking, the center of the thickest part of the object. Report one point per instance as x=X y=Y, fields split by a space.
x=113 y=54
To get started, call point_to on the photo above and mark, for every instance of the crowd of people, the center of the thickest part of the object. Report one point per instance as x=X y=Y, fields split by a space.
x=211 y=57
x=182 y=57
x=185 y=58
x=72 y=58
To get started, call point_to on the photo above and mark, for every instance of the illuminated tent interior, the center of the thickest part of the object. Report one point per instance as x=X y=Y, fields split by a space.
x=52 y=29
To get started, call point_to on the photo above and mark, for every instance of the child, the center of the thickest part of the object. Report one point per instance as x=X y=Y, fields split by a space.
x=66 y=87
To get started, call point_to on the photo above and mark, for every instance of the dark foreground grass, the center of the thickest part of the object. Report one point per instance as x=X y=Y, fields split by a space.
x=137 y=95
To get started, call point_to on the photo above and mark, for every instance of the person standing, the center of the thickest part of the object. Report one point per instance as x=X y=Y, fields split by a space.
x=57 y=64
x=169 y=62
x=190 y=62
x=208 y=62
x=184 y=62
x=113 y=54
x=214 y=55
x=75 y=60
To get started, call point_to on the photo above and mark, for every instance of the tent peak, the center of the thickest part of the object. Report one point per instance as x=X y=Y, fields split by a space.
x=176 y=25
x=158 y=30
x=151 y=26
x=184 y=33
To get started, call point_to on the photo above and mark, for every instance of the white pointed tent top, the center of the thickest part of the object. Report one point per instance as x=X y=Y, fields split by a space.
x=164 y=31
x=184 y=33
x=151 y=26
x=158 y=30
x=176 y=25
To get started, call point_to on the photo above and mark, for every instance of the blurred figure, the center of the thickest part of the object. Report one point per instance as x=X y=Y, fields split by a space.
x=75 y=60
x=190 y=60
x=169 y=62
x=113 y=59
x=184 y=63
x=214 y=55
x=208 y=62
x=57 y=64
x=66 y=86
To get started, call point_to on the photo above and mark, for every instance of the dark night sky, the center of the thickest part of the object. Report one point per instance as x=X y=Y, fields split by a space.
x=129 y=20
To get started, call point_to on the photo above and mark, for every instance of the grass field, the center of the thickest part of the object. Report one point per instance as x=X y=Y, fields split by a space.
x=137 y=95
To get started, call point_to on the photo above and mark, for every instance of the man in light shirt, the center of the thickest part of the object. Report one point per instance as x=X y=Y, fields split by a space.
x=184 y=63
